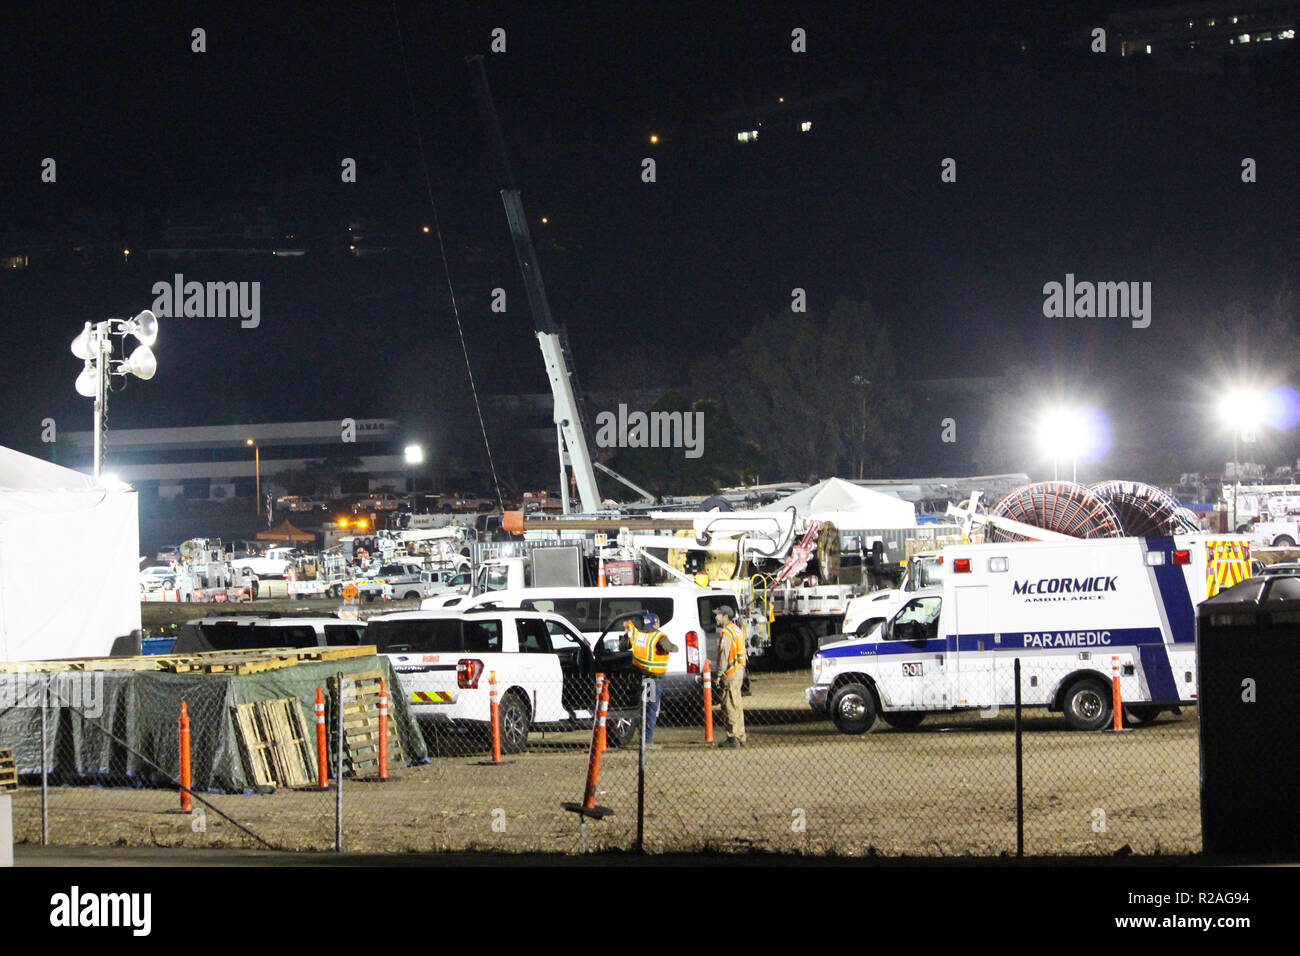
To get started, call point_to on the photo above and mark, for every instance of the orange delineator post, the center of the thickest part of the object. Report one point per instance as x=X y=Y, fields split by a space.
x=593 y=764
x=496 y=718
x=383 y=729
x=600 y=727
x=322 y=747
x=1116 y=705
x=187 y=803
x=708 y=704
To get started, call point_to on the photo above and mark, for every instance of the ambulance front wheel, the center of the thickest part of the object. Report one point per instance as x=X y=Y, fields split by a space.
x=1087 y=705
x=853 y=709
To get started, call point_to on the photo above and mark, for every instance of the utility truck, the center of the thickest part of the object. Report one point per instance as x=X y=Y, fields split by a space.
x=1073 y=612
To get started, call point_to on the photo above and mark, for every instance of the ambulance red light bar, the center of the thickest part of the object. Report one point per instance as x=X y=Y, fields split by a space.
x=1182 y=556
x=961 y=565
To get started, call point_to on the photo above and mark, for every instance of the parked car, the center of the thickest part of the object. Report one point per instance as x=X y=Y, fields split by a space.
x=158 y=577
x=250 y=632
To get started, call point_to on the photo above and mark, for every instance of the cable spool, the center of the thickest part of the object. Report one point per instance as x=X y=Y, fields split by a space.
x=828 y=554
x=1144 y=510
x=1061 y=506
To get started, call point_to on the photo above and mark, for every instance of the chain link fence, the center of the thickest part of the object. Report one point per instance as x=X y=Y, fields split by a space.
x=98 y=761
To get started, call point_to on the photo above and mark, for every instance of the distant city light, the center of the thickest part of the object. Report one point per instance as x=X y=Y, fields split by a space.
x=748 y=136
x=424 y=229
x=805 y=126
x=414 y=454
x=654 y=138
x=545 y=220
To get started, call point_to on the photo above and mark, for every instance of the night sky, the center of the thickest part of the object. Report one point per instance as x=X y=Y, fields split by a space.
x=1068 y=162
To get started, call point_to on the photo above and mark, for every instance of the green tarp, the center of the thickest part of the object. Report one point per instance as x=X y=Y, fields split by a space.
x=141 y=710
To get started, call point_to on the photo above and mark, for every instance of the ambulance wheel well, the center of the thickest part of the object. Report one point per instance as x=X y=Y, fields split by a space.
x=862 y=679
x=1058 y=698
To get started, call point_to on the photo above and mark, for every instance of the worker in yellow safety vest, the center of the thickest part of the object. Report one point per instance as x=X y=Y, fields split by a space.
x=650 y=649
x=731 y=674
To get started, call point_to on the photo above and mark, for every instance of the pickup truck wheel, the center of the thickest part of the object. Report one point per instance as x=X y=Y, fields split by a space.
x=513 y=715
x=1087 y=705
x=903 y=719
x=1141 y=714
x=409 y=595
x=853 y=709
x=1284 y=541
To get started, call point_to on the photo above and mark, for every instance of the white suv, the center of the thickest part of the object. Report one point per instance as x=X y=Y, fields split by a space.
x=545 y=669
x=685 y=616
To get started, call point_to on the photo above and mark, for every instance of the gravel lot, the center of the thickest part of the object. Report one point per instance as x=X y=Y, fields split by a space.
x=946 y=788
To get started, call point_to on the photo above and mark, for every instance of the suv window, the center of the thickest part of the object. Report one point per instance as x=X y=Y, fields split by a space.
x=290 y=635
x=418 y=636
x=344 y=635
x=483 y=636
x=533 y=638
x=594 y=614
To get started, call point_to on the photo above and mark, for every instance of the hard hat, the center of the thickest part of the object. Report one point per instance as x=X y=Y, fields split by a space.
x=650 y=620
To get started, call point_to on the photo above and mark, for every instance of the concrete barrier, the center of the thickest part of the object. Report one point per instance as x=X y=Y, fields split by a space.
x=6 y=831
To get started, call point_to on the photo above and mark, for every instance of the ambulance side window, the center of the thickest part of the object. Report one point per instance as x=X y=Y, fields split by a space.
x=917 y=621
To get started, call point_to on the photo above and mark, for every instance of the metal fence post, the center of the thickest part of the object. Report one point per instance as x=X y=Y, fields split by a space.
x=338 y=769
x=640 y=773
x=45 y=770
x=1020 y=775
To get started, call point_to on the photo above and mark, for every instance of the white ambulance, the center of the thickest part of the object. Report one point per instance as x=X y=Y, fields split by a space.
x=1064 y=608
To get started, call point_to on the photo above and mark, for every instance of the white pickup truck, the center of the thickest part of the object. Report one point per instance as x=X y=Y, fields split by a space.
x=545 y=670
x=273 y=563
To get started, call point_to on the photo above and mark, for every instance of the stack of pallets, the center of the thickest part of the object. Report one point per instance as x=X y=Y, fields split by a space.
x=361 y=726
x=8 y=772
x=275 y=744
x=208 y=662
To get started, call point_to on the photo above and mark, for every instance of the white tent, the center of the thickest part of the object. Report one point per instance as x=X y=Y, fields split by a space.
x=848 y=505
x=69 y=560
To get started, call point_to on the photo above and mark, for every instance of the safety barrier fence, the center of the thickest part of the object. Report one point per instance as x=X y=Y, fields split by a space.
x=105 y=766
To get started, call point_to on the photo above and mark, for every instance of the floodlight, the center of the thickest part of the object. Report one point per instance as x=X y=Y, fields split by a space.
x=81 y=346
x=86 y=381
x=144 y=327
x=141 y=364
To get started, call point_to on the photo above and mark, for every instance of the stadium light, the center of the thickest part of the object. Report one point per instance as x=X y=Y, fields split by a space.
x=1061 y=433
x=1244 y=409
x=94 y=346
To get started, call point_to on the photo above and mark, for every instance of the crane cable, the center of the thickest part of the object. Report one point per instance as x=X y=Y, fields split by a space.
x=442 y=249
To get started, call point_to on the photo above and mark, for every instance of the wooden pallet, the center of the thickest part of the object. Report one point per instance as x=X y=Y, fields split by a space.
x=8 y=772
x=361 y=726
x=207 y=662
x=273 y=740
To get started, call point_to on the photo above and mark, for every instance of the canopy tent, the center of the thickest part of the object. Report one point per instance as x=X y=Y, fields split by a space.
x=285 y=531
x=69 y=562
x=848 y=505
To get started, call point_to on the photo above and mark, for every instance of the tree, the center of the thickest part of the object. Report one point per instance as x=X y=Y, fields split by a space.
x=718 y=456
x=818 y=397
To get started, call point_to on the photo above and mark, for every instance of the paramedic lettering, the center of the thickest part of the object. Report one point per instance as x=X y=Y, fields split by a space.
x=1068 y=639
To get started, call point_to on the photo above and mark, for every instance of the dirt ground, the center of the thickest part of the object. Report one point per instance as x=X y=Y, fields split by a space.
x=945 y=788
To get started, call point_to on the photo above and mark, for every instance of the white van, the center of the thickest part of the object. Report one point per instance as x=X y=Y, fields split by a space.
x=685 y=616
x=1064 y=608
